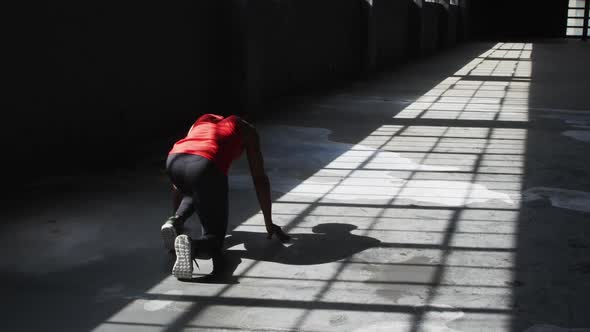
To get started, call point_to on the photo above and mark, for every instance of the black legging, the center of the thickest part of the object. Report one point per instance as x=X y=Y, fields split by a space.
x=205 y=191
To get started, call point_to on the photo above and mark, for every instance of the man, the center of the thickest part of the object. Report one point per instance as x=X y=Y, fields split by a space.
x=197 y=166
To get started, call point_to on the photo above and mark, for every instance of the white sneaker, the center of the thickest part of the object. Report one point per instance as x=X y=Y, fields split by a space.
x=183 y=267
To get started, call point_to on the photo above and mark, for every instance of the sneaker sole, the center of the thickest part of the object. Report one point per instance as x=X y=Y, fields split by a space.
x=183 y=267
x=168 y=235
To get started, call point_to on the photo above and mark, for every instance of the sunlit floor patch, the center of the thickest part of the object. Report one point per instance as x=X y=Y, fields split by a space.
x=435 y=319
x=444 y=193
x=365 y=173
x=157 y=305
x=561 y=198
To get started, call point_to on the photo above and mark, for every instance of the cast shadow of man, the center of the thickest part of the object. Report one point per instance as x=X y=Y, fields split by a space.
x=329 y=242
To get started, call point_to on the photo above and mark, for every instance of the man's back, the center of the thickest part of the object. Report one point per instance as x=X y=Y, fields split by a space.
x=215 y=138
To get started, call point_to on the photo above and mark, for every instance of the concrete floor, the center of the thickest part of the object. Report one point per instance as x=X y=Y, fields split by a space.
x=450 y=195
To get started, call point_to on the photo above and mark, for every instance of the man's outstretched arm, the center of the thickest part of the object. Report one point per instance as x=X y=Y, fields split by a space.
x=260 y=179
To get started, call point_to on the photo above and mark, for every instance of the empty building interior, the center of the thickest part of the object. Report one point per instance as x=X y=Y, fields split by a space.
x=428 y=159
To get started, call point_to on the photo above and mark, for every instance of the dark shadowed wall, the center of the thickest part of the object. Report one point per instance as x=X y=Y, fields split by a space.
x=501 y=19
x=92 y=84
x=391 y=31
x=291 y=45
x=97 y=85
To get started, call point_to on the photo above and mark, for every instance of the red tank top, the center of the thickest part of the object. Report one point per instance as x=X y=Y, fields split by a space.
x=215 y=138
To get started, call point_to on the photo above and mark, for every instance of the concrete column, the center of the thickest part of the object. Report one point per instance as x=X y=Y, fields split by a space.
x=392 y=25
x=416 y=14
x=430 y=28
x=368 y=33
x=464 y=30
x=453 y=25
x=442 y=12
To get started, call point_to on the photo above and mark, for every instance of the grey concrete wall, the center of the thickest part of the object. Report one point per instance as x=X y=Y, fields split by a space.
x=290 y=46
x=441 y=25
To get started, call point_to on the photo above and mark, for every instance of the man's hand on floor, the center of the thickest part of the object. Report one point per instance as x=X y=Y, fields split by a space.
x=276 y=230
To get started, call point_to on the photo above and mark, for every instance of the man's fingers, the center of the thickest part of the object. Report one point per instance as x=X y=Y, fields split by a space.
x=282 y=236
x=276 y=230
